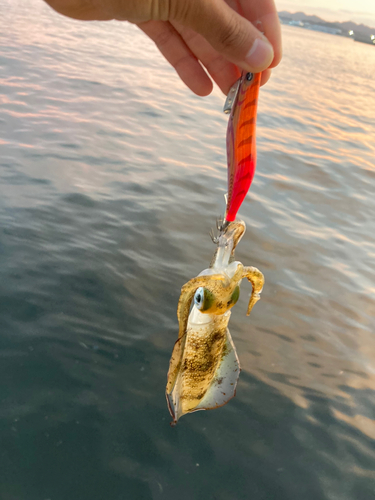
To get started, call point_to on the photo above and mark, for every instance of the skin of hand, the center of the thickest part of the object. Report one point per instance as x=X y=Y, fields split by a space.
x=197 y=37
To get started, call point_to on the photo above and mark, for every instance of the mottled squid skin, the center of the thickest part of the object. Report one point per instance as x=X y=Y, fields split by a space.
x=204 y=366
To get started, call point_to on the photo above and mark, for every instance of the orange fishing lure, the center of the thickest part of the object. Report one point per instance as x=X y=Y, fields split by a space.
x=241 y=143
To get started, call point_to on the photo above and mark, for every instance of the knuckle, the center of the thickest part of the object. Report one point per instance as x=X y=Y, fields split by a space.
x=233 y=36
x=182 y=61
x=164 y=37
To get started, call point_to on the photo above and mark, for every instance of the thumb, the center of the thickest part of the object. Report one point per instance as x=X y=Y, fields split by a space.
x=228 y=32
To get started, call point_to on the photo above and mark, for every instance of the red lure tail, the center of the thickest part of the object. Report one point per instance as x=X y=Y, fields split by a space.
x=241 y=144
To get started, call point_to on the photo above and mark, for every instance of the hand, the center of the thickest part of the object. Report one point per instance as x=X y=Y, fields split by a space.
x=216 y=34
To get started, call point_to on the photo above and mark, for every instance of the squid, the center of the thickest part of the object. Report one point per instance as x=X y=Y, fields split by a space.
x=204 y=367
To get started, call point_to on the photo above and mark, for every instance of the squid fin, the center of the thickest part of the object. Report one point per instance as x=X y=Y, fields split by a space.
x=220 y=390
x=224 y=382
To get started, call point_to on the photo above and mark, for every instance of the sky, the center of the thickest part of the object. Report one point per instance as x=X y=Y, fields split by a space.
x=359 y=11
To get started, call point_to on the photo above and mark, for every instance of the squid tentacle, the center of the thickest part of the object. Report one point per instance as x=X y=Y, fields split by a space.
x=256 y=278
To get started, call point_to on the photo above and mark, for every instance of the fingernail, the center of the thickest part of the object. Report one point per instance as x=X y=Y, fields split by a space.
x=260 y=55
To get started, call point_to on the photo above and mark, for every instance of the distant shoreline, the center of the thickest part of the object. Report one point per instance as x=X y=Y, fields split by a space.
x=358 y=32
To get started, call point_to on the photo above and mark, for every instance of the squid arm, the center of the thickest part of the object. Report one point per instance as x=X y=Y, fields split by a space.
x=256 y=278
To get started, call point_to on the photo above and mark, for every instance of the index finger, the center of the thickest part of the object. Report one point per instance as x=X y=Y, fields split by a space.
x=265 y=12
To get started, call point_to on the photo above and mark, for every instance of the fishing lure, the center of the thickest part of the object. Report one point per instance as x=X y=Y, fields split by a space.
x=242 y=103
x=204 y=367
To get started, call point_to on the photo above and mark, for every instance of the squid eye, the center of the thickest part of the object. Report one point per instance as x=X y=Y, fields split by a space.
x=198 y=297
x=249 y=76
x=203 y=299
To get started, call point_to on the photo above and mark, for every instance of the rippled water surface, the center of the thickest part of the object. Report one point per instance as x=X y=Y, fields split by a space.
x=112 y=174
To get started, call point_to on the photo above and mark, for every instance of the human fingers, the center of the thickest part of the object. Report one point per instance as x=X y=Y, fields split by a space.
x=266 y=75
x=174 y=44
x=223 y=72
x=229 y=33
x=272 y=31
x=263 y=14
x=225 y=34
x=178 y=54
